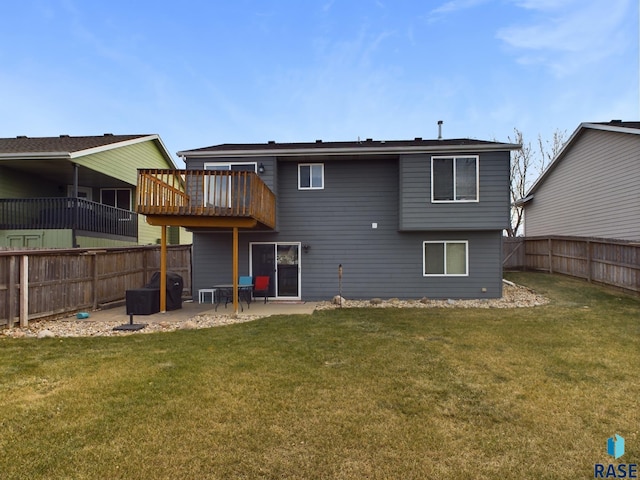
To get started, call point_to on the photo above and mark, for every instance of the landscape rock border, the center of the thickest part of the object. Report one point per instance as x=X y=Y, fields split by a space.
x=513 y=296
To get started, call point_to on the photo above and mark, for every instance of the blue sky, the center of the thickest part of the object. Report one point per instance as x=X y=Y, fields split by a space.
x=200 y=73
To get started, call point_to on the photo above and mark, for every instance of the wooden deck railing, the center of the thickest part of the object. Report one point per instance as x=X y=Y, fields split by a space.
x=205 y=193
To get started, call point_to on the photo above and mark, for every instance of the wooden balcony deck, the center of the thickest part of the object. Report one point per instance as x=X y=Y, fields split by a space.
x=205 y=198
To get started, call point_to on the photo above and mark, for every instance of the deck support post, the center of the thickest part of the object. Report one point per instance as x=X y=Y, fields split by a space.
x=235 y=270
x=163 y=269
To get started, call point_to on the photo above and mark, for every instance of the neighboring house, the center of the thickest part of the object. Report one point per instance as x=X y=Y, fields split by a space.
x=592 y=187
x=406 y=219
x=77 y=191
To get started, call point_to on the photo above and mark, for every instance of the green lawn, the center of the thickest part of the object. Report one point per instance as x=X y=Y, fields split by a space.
x=351 y=393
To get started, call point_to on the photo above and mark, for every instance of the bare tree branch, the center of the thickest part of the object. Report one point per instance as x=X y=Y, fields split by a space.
x=525 y=165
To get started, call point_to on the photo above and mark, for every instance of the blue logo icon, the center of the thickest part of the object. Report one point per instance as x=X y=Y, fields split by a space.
x=615 y=446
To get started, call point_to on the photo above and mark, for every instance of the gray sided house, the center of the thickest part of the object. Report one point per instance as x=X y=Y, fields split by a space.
x=68 y=191
x=592 y=187
x=405 y=219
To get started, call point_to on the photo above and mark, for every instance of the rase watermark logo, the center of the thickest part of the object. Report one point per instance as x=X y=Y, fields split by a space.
x=615 y=448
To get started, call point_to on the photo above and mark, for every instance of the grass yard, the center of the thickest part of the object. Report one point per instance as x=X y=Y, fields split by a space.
x=348 y=394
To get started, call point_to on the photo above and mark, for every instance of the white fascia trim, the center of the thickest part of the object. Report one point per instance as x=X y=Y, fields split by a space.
x=35 y=156
x=611 y=128
x=294 y=152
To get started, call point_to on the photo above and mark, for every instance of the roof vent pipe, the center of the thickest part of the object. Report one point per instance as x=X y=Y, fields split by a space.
x=440 y=122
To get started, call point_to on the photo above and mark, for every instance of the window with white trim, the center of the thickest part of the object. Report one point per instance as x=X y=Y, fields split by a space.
x=454 y=179
x=310 y=176
x=445 y=258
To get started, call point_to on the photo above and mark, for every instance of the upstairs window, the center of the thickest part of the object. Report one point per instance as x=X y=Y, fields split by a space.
x=310 y=176
x=454 y=179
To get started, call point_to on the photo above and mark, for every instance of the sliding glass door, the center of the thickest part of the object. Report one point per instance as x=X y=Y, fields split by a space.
x=281 y=263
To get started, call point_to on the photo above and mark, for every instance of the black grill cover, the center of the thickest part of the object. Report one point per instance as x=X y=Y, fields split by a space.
x=174 y=288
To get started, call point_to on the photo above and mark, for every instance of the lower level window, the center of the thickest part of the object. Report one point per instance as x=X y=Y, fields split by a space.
x=442 y=258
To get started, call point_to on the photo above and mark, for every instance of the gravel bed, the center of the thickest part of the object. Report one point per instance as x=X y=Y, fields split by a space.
x=514 y=296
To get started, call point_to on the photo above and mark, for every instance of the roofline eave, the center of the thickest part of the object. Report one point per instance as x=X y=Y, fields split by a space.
x=36 y=156
x=581 y=128
x=294 y=152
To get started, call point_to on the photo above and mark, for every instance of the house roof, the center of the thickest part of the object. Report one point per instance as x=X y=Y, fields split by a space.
x=68 y=147
x=617 y=126
x=368 y=146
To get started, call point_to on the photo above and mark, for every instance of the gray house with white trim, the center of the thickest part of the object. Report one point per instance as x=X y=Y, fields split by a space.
x=406 y=219
x=592 y=187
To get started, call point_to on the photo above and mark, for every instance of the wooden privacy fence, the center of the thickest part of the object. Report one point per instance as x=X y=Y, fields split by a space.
x=606 y=261
x=42 y=283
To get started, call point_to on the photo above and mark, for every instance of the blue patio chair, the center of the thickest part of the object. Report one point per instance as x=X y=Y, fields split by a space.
x=245 y=285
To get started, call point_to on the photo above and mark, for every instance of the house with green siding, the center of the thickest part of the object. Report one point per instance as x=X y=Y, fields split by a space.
x=67 y=191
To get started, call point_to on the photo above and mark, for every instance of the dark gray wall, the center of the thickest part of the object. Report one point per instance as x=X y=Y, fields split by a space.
x=337 y=223
x=418 y=213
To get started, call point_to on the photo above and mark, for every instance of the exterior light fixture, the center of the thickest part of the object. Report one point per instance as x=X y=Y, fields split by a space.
x=261 y=168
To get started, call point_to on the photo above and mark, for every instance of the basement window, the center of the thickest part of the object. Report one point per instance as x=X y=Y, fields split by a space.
x=445 y=258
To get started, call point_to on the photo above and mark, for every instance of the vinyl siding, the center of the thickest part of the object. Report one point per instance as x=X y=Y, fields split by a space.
x=337 y=223
x=417 y=212
x=122 y=163
x=592 y=192
x=53 y=238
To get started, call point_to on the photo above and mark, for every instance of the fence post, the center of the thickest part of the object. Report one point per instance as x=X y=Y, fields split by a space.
x=24 y=291
x=550 y=253
x=589 y=253
x=11 y=292
x=94 y=264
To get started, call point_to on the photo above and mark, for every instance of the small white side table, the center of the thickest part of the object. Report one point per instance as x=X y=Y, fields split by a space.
x=202 y=293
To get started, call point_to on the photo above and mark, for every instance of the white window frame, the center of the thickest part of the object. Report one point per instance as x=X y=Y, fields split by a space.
x=219 y=166
x=454 y=158
x=311 y=186
x=445 y=242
